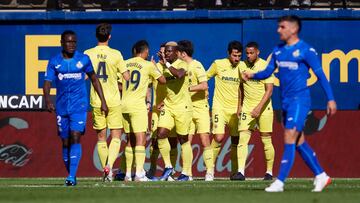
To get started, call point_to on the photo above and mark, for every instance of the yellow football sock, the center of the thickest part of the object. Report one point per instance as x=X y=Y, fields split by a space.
x=242 y=150
x=139 y=158
x=103 y=152
x=208 y=157
x=187 y=157
x=233 y=158
x=164 y=148
x=269 y=152
x=173 y=156
x=129 y=159
x=216 y=149
x=154 y=154
x=114 y=148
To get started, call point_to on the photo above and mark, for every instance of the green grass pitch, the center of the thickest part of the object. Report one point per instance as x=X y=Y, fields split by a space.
x=220 y=191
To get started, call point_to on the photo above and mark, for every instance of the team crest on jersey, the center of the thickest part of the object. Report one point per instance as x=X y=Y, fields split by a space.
x=79 y=65
x=296 y=53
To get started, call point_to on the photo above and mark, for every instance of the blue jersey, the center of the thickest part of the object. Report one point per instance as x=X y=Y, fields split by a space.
x=294 y=63
x=69 y=77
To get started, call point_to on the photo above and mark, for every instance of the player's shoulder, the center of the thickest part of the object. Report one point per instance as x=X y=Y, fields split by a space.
x=221 y=61
x=90 y=51
x=115 y=51
x=307 y=47
x=56 y=59
x=261 y=61
x=197 y=64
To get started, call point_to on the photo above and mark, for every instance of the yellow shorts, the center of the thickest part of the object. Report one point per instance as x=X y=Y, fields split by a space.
x=200 y=121
x=221 y=118
x=112 y=121
x=154 y=125
x=179 y=119
x=135 y=122
x=264 y=122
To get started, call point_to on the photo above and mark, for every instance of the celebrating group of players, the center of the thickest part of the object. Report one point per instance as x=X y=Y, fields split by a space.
x=179 y=99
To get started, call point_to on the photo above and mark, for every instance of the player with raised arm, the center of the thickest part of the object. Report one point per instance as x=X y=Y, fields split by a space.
x=68 y=70
x=255 y=111
x=135 y=111
x=225 y=100
x=176 y=112
x=294 y=58
x=107 y=63
x=199 y=95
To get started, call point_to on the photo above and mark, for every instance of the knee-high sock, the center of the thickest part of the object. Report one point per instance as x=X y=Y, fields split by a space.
x=269 y=153
x=173 y=156
x=164 y=148
x=187 y=157
x=75 y=156
x=216 y=149
x=114 y=148
x=233 y=157
x=103 y=151
x=129 y=155
x=287 y=161
x=242 y=150
x=139 y=159
x=154 y=155
x=208 y=156
x=65 y=156
x=309 y=156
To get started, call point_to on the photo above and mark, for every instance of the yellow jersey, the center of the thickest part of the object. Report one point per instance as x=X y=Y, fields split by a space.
x=142 y=72
x=254 y=90
x=159 y=90
x=227 y=81
x=108 y=63
x=197 y=75
x=177 y=90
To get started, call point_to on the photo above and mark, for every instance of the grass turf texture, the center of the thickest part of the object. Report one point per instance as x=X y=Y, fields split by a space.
x=220 y=191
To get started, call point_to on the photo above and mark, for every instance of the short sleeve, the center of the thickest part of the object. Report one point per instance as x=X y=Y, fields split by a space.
x=50 y=73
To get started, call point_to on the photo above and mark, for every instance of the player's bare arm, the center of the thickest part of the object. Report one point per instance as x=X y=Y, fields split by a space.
x=97 y=86
x=268 y=92
x=46 y=90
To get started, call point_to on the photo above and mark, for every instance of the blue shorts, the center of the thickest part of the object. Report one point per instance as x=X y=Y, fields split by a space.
x=71 y=122
x=295 y=111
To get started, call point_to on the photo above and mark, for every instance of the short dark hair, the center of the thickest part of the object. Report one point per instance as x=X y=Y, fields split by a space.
x=252 y=44
x=186 y=46
x=235 y=45
x=103 y=31
x=140 y=46
x=293 y=19
x=67 y=32
x=163 y=44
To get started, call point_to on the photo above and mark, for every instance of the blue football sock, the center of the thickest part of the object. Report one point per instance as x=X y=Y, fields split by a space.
x=287 y=161
x=309 y=156
x=75 y=156
x=65 y=155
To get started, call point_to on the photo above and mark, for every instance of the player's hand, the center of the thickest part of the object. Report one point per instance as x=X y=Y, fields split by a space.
x=50 y=106
x=247 y=75
x=255 y=112
x=160 y=106
x=331 y=108
x=104 y=109
x=161 y=55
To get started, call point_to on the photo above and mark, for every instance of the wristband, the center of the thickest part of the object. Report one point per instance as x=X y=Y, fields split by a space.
x=168 y=65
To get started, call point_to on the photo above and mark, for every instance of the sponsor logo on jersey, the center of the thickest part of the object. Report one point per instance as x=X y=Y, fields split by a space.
x=76 y=76
x=287 y=64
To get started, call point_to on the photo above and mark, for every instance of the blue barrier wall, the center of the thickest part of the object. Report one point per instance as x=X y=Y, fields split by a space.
x=30 y=39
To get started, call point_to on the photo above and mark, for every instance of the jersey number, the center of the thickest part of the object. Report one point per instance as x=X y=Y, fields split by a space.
x=101 y=71
x=134 y=80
